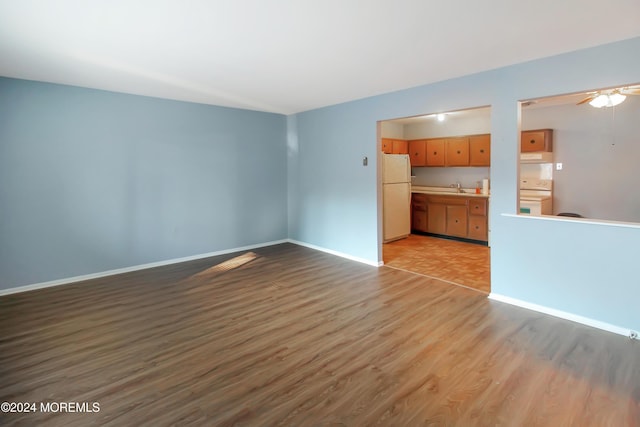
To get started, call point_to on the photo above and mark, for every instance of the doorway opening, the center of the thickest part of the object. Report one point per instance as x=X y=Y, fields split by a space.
x=447 y=236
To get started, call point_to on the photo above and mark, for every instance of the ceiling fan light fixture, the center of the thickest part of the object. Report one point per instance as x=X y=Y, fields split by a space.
x=599 y=101
x=616 y=98
x=607 y=100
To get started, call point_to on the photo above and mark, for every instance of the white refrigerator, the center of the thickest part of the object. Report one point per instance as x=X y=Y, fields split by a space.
x=396 y=196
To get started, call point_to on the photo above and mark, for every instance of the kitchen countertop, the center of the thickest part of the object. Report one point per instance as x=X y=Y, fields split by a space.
x=447 y=191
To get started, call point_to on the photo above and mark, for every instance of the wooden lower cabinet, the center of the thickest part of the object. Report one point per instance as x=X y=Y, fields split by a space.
x=437 y=221
x=419 y=212
x=477 y=227
x=478 y=220
x=456 y=221
x=419 y=220
x=456 y=216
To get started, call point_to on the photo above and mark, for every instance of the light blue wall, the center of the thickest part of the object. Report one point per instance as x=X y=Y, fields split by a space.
x=337 y=203
x=92 y=181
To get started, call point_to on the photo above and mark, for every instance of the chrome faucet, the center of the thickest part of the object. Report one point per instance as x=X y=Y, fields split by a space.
x=457 y=186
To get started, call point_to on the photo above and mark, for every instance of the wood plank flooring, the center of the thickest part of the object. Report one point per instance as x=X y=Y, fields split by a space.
x=286 y=335
x=466 y=264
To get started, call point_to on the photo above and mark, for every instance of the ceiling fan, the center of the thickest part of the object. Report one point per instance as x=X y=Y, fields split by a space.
x=610 y=97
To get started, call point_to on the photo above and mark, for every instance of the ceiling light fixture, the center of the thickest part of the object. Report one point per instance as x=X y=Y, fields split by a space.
x=607 y=100
x=440 y=117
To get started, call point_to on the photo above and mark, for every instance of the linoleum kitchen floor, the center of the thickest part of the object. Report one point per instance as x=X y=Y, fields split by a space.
x=462 y=263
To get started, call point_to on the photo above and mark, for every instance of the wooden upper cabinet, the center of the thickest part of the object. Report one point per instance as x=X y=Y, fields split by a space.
x=480 y=150
x=387 y=145
x=435 y=152
x=400 y=146
x=536 y=140
x=418 y=152
x=457 y=150
x=395 y=146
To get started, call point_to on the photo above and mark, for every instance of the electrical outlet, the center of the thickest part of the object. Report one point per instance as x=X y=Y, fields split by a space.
x=558 y=166
x=633 y=335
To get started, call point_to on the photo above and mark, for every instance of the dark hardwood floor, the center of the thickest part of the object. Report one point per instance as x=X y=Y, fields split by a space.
x=286 y=335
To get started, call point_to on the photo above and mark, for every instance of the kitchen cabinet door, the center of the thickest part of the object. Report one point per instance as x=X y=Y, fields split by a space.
x=418 y=153
x=457 y=152
x=400 y=146
x=478 y=227
x=419 y=220
x=419 y=212
x=536 y=140
x=437 y=218
x=478 y=207
x=456 y=220
x=435 y=152
x=480 y=150
x=387 y=146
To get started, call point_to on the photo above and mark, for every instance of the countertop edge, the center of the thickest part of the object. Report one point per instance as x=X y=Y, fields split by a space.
x=442 y=193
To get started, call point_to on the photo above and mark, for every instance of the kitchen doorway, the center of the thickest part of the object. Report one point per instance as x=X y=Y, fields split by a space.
x=450 y=168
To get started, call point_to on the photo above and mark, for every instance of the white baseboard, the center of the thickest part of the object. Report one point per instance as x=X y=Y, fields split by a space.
x=336 y=253
x=74 y=279
x=562 y=314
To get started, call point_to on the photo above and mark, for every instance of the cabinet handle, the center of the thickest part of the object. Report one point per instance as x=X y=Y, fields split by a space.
x=458 y=151
x=482 y=151
x=435 y=152
x=533 y=141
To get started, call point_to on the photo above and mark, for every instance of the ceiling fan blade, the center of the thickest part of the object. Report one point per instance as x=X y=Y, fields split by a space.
x=587 y=99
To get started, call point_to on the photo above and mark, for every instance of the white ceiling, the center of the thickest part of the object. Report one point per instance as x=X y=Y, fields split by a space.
x=288 y=56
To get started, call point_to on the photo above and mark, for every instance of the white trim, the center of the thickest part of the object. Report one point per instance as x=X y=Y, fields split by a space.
x=562 y=314
x=74 y=279
x=336 y=253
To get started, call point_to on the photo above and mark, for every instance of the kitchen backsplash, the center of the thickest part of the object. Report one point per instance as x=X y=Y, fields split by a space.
x=443 y=177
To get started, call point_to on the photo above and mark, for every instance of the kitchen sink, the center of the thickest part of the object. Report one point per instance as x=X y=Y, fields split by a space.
x=445 y=190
